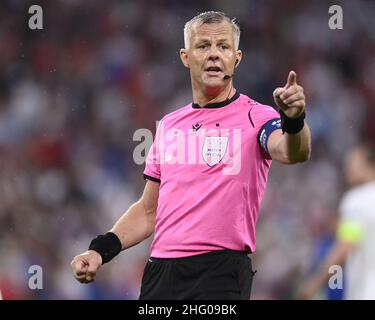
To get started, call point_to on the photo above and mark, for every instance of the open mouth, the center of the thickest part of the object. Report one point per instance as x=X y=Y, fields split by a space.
x=213 y=71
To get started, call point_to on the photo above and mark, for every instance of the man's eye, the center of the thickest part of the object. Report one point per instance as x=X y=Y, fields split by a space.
x=202 y=46
x=224 y=47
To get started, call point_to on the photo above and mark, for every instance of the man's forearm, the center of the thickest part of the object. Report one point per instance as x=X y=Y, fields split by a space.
x=337 y=256
x=290 y=148
x=297 y=146
x=135 y=225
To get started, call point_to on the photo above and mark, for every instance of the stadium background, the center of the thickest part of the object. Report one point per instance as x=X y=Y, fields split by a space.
x=72 y=95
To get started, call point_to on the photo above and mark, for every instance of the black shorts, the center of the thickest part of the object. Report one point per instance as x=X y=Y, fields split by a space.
x=220 y=275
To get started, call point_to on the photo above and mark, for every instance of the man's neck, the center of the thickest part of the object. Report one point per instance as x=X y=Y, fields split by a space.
x=205 y=96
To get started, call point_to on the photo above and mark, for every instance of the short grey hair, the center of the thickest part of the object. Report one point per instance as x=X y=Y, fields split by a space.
x=211 y=17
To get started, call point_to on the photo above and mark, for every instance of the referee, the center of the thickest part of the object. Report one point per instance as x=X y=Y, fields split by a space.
x=203 y=205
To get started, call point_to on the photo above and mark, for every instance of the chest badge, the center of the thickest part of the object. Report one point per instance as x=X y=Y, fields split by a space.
x=214 y=149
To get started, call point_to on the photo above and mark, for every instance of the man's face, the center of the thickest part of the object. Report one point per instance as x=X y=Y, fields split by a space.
x=356 y=167
x=211 y=54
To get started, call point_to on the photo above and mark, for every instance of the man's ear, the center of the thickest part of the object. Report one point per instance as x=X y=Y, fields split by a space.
x=184 y=58
x=238 y=58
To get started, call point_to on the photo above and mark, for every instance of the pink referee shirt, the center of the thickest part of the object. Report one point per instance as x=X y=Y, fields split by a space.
x=212 y=173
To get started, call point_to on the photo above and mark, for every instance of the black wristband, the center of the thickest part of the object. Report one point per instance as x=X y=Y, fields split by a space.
x=290 y=125
x=107 y=245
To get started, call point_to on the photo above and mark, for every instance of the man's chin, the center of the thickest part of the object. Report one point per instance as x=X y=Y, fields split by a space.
x=213 y=83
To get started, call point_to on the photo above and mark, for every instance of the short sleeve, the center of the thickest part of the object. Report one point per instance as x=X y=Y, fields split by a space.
x=265 y=120
x=152 y=167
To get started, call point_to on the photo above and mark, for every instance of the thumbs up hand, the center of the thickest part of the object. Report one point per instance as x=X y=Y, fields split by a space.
x=290 y=98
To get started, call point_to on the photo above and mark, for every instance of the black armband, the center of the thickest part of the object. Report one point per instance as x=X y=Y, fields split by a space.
x=107 y=245
x=290 y=125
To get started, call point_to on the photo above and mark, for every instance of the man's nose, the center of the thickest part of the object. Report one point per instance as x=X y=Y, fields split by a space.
x=213 y=53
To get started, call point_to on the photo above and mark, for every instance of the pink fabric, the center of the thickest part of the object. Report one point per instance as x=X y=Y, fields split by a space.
x=210 y=193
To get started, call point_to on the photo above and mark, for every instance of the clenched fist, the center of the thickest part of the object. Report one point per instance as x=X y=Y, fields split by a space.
x=86 y=265
x=291 y=98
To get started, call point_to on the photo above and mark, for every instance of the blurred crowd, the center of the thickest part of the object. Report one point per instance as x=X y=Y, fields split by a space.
x=73 y=94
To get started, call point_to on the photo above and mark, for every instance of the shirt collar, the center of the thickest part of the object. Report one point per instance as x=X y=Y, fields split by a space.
x=217 y=104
